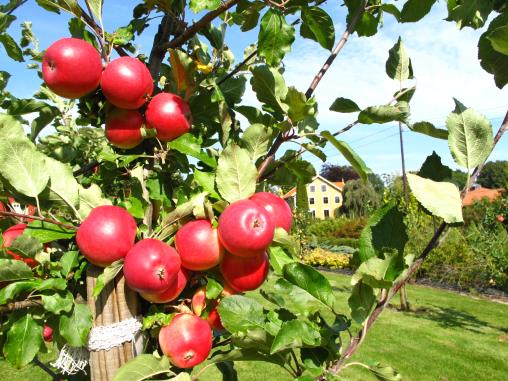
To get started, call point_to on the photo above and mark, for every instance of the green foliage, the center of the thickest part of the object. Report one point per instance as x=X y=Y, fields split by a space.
x=360 y=198
x=494 y=175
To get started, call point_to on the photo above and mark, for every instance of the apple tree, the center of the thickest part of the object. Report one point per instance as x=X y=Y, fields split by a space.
x=136 y=205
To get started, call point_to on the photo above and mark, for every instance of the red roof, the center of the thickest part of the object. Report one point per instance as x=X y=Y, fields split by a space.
x=480 y=193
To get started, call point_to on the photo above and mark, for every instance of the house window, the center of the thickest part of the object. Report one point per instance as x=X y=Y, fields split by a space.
x=313 y=213
x=312 y=188
x=327 y=213
x=311 y=201
x=323 y=188
x=325 y=200
x=337 y=199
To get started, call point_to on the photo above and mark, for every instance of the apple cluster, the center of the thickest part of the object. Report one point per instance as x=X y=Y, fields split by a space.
x=72 y=68
x=159 y=273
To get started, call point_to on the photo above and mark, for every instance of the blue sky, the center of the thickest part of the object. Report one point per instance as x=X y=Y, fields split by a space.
x=444 y=61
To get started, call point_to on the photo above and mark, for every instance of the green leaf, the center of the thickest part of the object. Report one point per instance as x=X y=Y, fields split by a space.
x=429 y=129
x=26 y=245
x=392 y=9
x=96 y=8
x=63 y=187
x=282 y=238
x=236 y=174
x=10 y=128
x=239 y=314
x=23 y=166
x=11 y=47
x=311 y=281
x=207 y=182
x=233 y=89
x=107 y=276
x=470 y=136
x=12 y=290
x=415 y=10
x=143 y=367
x=257 y=139
x=74 y=328
x=275 y=37
x=24 y=339
x=302 y=198
x=398 y=65
x=270 y=88
x=351 y=156
x=213 y=289
x=183 y=376
x=367 y=25
x=472 y=13
x=200 y=5
x=70 y=6
x=292 y=298
x=384 y=114
x=405 y=94
x=57 y=302
x=499 y=39
x=299 y=107
x=491 y=60
x=295 y=334
x=5 y=21
x=123 y=35
x=13 y=269
x=48 y=232
x=442 y=199
x=360 y=302
x=433 y=169
x=278 y=259
x=374 y=272
x=344 y=105
x=68 y=261
x=90 y=198
x=188 y=144
x=384 y=372
x=318 y=26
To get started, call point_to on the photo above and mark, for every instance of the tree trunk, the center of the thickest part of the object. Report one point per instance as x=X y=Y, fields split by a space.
x=404 y=303
x=115 y=303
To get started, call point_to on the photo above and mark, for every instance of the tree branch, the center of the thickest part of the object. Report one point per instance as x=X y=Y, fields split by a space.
x=15 y=306
x=27 y=216
x=156 y=54
x=434 y=242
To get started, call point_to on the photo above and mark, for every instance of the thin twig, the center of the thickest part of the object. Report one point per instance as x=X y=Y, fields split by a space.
x=15 y=306
x=44 y=219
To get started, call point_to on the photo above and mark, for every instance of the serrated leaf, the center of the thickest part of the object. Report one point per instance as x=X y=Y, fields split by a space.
x=12 y=290
x=311 y=281
x=491 y=60
x=207 y=182
x=68 y=261
x=236 y=174
x=257 y=139
x=90 y=198
x=275 y=37
x=200 y=5
x=109 y=273
x=318 y=26
x=48 y=232
x=469 y=136
x=26 y=245
x=442 y=199
x=433 y=169
x=374 y=272
x=360 y=301
x=239 y=313
x=74 y=328
x=293 y=298
x=57 y=303
x=70 y=6
x=384 y=372
x=499 y=39
x=429 y=129
x=282 y=238
x=270 y=88
x=188 y=144
x=233 y=89
x=344 y=105
x=11 y=47
x=295 y=334
x=143 y=367
x=298 y=106
x=278 y=259
x=23 y=166
x=63 y=187
x=10 y=128
x=384 y=114
x=415 y=10
x=351 y=156
x=13 y=269
x=472 y=13
x=398 y=65
x=24 y=339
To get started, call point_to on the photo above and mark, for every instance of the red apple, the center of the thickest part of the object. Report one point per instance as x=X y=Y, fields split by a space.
x=71 y=67
x=123 y=128
x=172 y=292
x=198 y=245
x=213 y=319
x=127 y=83
x=244 y=274
x=47 y=333
x=170 y=115
x=246 y=229
x=151 y=266
x=9 y=236
x=106 y=235
x=187 y=340
x=278 y=209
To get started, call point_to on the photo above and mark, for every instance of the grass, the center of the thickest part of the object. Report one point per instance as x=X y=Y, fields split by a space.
x=448 y=337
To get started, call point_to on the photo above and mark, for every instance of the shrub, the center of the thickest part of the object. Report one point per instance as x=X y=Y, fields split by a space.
x=324 y=258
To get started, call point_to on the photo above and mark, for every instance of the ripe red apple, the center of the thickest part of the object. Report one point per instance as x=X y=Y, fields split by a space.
x=47 y=333
x=213 y=319
x=106 y=235
x=278 y=209
x=71 y=67
x=246 y=229
x=244 y=274
x=187 y=340
x=123 y=128
x=127 y=83
x=198 y=244
x=172 y=292
x=151 y=266
x=170 y=115
x=9 y=236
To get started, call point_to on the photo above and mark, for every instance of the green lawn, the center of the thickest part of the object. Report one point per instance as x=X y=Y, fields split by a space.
x=451 y=337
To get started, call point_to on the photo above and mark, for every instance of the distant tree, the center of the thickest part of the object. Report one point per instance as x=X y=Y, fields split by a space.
x=494 y=175
x=333 y=172
x=458 y=177
x=376 y=182
x=360 y=198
